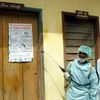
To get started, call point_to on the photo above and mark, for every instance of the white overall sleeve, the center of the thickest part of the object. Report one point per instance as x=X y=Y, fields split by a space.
x=98 y=70
x=98 y=67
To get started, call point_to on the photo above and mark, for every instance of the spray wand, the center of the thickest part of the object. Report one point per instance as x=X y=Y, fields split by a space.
x=62 y=69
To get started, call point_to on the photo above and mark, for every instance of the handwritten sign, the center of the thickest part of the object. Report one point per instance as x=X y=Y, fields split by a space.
x=11 y=5
x=82 y=14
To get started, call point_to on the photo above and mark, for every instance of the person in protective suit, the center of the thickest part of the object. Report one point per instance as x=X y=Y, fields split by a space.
x=98 y=71
x=82 y=76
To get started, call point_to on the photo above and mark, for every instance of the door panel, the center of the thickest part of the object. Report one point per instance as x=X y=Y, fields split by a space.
x=30 y=70
x=79 y=32
x=1 y=67
x=12 y=71
x=18 y=81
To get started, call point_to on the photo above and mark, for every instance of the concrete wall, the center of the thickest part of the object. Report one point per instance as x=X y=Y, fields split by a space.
x=53 y=37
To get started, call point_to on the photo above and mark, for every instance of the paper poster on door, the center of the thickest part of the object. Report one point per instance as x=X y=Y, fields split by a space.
x=20 y=42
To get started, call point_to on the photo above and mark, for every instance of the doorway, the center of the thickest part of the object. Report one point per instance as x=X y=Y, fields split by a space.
x=80 y=31
x=20 y=80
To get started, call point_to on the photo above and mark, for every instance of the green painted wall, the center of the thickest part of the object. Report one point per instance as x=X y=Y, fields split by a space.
x=53 y=37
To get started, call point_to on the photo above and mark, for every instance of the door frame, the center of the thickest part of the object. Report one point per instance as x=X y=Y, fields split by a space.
x=95 y=21
x=38 y=12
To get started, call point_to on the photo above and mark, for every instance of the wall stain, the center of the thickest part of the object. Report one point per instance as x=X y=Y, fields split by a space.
x=45 y=35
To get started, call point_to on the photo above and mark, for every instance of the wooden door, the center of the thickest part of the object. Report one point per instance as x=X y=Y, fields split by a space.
x=77 y=32
x=18 y=81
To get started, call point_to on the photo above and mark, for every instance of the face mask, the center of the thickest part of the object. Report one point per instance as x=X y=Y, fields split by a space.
x=82 y=60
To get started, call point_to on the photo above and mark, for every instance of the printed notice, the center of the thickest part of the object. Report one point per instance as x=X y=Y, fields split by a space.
x=20 y=42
